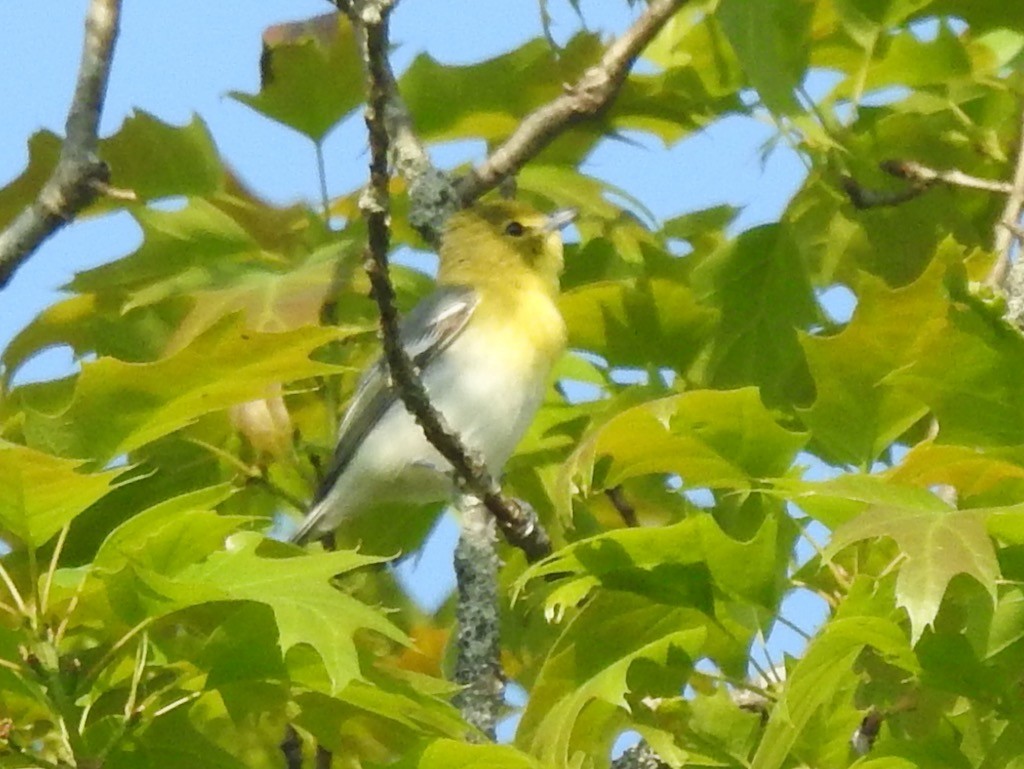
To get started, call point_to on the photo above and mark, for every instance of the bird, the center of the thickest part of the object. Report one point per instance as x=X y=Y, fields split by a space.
x=484 y=341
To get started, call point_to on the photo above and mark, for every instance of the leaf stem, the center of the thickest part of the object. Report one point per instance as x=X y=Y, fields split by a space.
x=44 y=599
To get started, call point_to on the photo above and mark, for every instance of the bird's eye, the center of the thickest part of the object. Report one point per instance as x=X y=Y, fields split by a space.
x=515 y=229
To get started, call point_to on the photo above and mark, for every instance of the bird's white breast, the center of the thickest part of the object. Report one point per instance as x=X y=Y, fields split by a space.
x=488 y=391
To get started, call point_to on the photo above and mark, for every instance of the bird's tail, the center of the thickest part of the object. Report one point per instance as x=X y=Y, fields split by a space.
x=310 y=530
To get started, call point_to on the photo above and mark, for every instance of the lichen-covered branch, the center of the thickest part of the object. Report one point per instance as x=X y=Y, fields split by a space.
x=639 y=756
x=431 y=191
x=589 y=96
x=478 y=640
x=80 y=175
x=518 y=524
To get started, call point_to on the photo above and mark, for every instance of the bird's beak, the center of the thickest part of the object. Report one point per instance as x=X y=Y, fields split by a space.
x=560 y=219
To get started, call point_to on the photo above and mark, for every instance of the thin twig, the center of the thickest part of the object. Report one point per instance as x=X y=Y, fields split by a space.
x=1005 y=232
x=321 y=168
x=12 y=590
x=254 y=474
x=48 y=583
x=112 y=652
x=588 y=97
x=177 y=704
x=953 y=177
x=922 y=178
x=140 y=668
x=75 y=181
x=517 y=524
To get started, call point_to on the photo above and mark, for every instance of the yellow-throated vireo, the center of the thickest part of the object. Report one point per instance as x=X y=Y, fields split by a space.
x=484 y=341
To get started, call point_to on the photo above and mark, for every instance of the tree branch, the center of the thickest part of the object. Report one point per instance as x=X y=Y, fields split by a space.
x=588 y=97
x=519 y=525
x=922 y=178
x=1005 y=235
x=478 y=659
x=80 y=176
x=640 y=756
x=431 y=191
x=925 y=175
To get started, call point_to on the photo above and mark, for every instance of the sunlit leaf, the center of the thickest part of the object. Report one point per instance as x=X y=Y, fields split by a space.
x=307 y=608
x=187 y=164
x=637 y=322
x=117 y=407
x=857 y=411
x=312 y=75
x=580 y=695
x=448 y=754
x=40 y=493
x=937 y=546
x=710 y=438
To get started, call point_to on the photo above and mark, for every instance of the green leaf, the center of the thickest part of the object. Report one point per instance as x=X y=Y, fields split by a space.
x=396 y=712
x=579 y=698
x=641 y=560
x=695 y=226
x=171 y=741
x=978 y=401
x=637 y=322
x=308 y=609
x=90 y=323
x=859 y=410
x=272 y=301
x=761 y=289
x=147 y=157
x=826 y=671
x=838 y=500
x=211 y=243
x=937 y=545
x=170 y=535
x=449 y=754
x=41 y=493
x=973 y=471
x=488 y=99
x=43 y=151
x=770 y=39
x=312 y=75
x=154 y=159
x=712 y=439
x=117 y=407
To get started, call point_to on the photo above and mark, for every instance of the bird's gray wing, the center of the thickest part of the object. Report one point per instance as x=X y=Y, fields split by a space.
x=426 y=331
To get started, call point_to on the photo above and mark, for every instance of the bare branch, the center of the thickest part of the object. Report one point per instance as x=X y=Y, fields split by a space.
x=1007 y=231
x=922 y=174
x=517 y=524
x=922 y=178
x=80 y=176
x=588 y=97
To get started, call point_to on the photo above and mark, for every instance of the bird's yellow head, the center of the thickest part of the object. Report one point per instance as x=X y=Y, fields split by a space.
x=503 y=242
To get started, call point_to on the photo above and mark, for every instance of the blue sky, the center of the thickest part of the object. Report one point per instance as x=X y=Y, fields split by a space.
x=180 y=58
